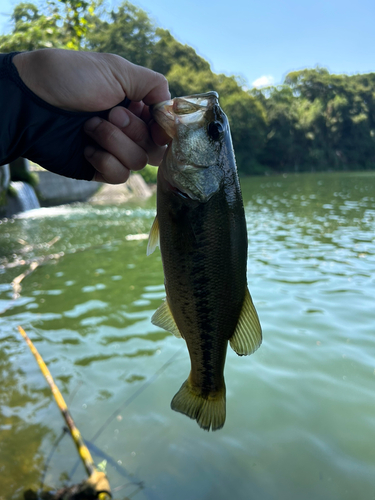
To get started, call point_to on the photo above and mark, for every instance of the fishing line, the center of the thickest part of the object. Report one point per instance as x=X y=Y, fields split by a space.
x=139 y=391
x=74 y=393
x=49 y=458
x=128 y=401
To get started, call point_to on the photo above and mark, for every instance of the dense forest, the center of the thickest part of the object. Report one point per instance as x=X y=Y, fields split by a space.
x=313 y=121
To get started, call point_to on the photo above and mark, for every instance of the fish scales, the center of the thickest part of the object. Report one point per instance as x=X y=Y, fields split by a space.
x=200 y=268
x=203 y=241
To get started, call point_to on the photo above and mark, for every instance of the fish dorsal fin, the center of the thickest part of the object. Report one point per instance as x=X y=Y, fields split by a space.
x=163 y=317
x=248 y=334
x=153 y=239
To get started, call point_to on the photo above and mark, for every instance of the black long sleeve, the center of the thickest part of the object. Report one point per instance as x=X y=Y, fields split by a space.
x=33 y=129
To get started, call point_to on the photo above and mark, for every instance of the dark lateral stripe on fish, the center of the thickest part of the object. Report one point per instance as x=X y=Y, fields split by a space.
x=203 y=243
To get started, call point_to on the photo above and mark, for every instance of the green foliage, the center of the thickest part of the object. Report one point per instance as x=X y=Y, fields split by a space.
x=183 y=80
x=76 y=21
x=319 y=121
x=248 y=123
x=149 y=174
x=315 y=120
x=168 y=52
x=59 y=24
x=19 y=171
x=12 y=192
x=127 y=32
x=32 y=29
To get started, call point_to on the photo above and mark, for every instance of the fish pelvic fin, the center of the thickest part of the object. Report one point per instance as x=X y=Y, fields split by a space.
x=209 y=411
x=163 y=317
x=154 y=237
x=247 y=336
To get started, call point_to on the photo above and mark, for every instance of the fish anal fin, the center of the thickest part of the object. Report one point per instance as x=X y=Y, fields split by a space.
x=209 y=412
x=248 y=334
x=153 y=238
x=163 y=317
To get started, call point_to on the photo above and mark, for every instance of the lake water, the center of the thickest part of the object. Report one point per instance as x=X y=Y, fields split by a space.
x=300 y=411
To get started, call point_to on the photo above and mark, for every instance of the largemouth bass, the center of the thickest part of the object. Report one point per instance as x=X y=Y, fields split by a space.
x=201 y=230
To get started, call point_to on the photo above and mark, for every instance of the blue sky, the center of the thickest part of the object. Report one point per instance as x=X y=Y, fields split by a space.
x=264 y=40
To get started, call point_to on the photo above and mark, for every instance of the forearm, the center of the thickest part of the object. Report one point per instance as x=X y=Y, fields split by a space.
x=32 y=128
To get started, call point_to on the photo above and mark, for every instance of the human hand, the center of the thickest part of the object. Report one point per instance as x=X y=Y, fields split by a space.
x=86 y=81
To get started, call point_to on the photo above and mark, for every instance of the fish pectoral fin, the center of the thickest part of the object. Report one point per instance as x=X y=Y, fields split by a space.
x=154 y=237
x=163 y=317
x=248 y=334
x=209 y=412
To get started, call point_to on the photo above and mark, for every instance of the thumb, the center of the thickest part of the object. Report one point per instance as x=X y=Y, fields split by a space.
x=139 y=83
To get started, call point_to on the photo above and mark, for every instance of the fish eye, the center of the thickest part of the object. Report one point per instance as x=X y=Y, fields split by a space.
x=214 y=130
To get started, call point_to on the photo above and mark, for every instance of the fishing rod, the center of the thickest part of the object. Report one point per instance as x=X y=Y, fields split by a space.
x=97 y=480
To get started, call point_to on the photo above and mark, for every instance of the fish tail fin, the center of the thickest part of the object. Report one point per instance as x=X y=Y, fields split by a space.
x=208 y=411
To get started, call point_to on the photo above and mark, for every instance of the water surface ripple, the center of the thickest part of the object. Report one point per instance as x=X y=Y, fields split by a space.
x=300 y=411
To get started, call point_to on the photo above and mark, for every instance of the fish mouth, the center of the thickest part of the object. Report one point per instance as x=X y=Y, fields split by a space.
x=178 y=192
x=187 y=104
x=183 y=110
x=207 y=99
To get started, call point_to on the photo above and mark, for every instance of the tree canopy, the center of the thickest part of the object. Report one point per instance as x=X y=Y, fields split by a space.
x=313 y=121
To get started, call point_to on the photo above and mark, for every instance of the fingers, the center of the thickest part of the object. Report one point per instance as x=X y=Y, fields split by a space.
x=158 y=134
x=125 y=144
x=137 y=130
x=108 y=168
x=140 y=110
x=117 y=153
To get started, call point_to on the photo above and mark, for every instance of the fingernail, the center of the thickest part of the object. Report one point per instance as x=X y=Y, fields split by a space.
x=119 y=117
x=89 y=151
x=91 y=124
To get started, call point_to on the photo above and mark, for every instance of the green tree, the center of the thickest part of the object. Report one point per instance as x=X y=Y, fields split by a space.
x=127 y=32
x=78 y=20
x=60 y=24
x=283 y=146
x=168 y=52
x=248 y=123
x=32 y=29
x=320 y=121
x=183 y=80
x=315 y=120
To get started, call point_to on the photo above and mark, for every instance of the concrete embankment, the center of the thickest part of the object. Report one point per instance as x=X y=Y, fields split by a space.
x=53 y=189
x=17 y=194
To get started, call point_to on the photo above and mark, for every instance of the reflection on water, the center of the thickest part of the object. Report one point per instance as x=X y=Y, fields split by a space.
x=301 y=417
